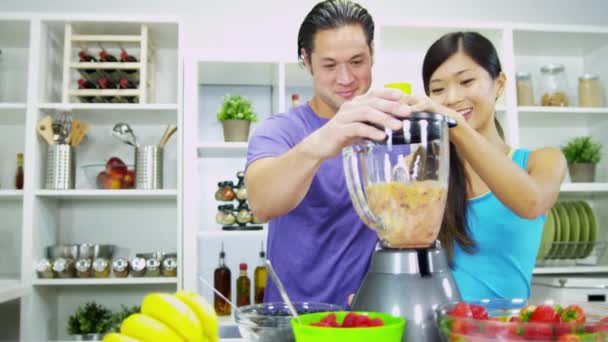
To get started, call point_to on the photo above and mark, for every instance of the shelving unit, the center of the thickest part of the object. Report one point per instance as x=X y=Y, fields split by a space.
x=110 y=281
x=108 y=194
x=11 y=289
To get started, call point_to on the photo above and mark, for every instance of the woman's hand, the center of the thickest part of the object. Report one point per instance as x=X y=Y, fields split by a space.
x=354 y=121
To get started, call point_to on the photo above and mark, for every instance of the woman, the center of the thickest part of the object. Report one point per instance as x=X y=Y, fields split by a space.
x=498 y=196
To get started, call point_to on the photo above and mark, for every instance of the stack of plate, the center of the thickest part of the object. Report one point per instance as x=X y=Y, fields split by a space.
x=570 y=232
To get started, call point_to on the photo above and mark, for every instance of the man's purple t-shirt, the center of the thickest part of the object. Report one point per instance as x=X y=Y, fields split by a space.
x=321 y=249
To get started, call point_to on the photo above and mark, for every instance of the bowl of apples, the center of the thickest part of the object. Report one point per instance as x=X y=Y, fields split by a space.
x=113 y=174
x=493 y=320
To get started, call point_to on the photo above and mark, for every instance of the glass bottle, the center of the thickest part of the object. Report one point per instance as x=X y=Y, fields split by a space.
x=222 y=282
x=243 y=287
x=19 y=174
x=525 y=95
x=259 y=278
x=295 y=100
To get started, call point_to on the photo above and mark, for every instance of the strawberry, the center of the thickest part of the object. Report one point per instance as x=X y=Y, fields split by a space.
x=479 y=312
x=569 y=338
x=544 y=314
x=573 y=313
x=349 y=320
x=461 y=309
x=526 y=312
x=330 y=320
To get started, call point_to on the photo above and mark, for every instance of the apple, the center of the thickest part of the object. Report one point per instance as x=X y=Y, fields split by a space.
x=102 y=177
x=128 y=181
x=116 y=167
x=113 y=182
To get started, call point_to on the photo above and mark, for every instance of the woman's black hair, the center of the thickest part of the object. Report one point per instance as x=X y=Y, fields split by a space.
x=454 y=226
x=331 y=14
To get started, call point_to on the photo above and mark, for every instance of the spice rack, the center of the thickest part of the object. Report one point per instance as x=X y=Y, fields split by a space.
x=137 y=73
x=229 y=216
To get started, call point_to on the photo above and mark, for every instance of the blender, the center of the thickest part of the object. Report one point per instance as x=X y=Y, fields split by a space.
x=399 y=189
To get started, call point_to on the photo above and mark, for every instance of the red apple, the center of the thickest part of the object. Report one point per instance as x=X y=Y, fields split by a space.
x=115 y=166
x=128 y=181
x=113 y=182
x=102 y=177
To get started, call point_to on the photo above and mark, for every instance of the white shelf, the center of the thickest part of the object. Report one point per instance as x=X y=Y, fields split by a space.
x=563 y=110
x=11 y=289
x=571 y=270
x=107 y=281
x=108 y=194
x=12 y=105
x=584 y=187
x=12 y=113
x=105 y=113
x=218 y=233
x=222 y=149
x=106 y=65
x=11 y=194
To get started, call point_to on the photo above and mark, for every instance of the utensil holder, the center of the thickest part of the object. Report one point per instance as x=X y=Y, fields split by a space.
x=148 y=167
x=60 y=167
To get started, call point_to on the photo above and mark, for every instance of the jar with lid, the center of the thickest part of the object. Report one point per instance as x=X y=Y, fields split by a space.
x=218 y=192
x=220 y=217
x=554 y=86
x=228 y=193
x=241 y=190
x=229 y=217
x=83 y=268
x=64 y=267
x=138 y=267
x=101 y=267
x=152 y=267
x=120 y=267
x=590 y=92
x=525 y=95
x=244 y=214
x=44 y=269
x=169 y=266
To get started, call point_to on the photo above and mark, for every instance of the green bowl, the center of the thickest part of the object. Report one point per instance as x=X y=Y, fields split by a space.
x=391 y=331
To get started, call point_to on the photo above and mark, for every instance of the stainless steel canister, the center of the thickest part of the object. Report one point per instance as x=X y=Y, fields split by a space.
x=60 y=167
x=149 y=167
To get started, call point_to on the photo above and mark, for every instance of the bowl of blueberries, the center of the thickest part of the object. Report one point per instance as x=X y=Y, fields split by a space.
x=271 y=322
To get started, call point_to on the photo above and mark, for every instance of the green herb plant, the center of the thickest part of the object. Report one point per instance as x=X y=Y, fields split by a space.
x=582 y=150
x=236 y=107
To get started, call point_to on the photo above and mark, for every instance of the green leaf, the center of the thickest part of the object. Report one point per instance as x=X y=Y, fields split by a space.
x=236 y=107
x=582 y=150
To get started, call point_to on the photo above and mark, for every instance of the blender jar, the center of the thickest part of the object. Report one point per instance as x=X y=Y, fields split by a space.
x=399 y=186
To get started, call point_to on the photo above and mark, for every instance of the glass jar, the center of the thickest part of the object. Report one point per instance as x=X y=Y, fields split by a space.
x=169 y=266
x=221 y=215
x=229 y=217
x=218 y=192
x=554 y=86
x=153 y=267
x=101 y=267
x=120 y=267
x=525 y=95
x=64 y=267
x=228 y=193
x=241 y=190
x=590 y=91
x=83 y=268
x=44 y=268
x=244 y=215
x=138 y=267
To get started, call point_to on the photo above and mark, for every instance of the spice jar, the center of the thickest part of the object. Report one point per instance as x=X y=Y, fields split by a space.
x=220 y=216
x=524 y=89
x=241 y=190
x=138 y=267
x=244 y=214
x=101 y=267
x=64 y=267
x=120 y=267
x=83 y=268
x=44 y=268
x=229 y=217
x=169 y=266
x=218 y=192
x=590 y=91
x=554 y=86
x=152 y=267
x=228 y=193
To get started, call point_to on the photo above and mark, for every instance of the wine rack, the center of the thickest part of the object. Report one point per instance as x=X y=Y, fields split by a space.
x=137 y=73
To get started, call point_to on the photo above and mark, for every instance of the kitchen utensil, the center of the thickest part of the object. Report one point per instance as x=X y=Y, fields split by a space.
x=166 y=135
x=399 y=188
x=282 y=291
x=392 y=330
x=60 y=167
x=78 y=132
x=125 y=133
x=148 y=167
x=44 y=127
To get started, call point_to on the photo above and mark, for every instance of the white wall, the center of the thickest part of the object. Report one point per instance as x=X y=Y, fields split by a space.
x=267 y=29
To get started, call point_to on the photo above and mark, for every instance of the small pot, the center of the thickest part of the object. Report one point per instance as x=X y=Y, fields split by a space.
x=236 y=130
x=88 y=337
x=582 y=172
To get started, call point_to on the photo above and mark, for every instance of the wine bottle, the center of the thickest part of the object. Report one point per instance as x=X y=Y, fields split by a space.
x=19 y=173
x=222 y=282
x=85 y=84
x=131 y=74
x=111 y=74
x=89 y=74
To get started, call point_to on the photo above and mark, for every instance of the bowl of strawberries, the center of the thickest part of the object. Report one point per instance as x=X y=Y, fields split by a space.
x=507 y=320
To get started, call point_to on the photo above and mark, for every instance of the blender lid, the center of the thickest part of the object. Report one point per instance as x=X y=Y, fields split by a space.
x=413 y=135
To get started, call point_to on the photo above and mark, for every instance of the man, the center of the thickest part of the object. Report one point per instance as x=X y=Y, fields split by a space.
x=318 y=245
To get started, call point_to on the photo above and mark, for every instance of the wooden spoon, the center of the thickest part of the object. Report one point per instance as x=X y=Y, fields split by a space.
x=45 y=129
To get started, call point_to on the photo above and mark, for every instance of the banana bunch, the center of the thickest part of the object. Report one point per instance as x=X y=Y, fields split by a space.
x=182 y=317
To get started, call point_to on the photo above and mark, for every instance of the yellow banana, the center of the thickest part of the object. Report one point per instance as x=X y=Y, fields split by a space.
x=173 y=313
x=204 y=311
x=147 y=329
x=116 y=337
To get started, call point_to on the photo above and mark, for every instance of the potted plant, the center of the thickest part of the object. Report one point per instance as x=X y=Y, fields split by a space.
x=582 y=154
x=236 y=115
x=90 y=322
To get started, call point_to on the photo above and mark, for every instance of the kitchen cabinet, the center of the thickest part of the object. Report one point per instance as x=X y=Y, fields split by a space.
x=136 y=221
x=399 y=49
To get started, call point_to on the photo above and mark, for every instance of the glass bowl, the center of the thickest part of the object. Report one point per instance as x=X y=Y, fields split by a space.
x=500 y=328
x=271 y=322
x=93 y=171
